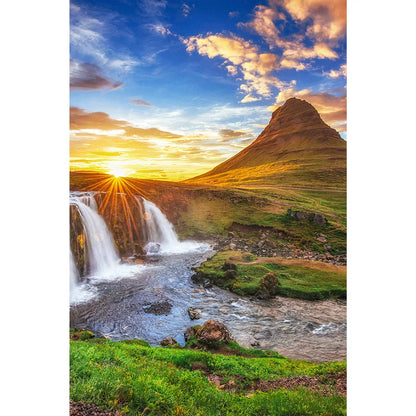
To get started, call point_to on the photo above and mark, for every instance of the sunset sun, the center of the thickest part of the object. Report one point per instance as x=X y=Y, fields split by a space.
x=118 y=172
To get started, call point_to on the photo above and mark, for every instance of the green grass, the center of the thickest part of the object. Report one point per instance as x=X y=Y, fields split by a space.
x=298 y=278
x=136 y=380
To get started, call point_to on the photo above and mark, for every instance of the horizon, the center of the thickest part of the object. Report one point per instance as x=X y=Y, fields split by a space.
x=167 y=91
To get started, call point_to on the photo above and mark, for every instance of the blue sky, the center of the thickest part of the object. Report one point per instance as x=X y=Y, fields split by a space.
x=169 y=89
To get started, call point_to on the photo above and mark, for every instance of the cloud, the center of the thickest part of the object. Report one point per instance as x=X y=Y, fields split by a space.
x=328 y=17
x=141 y=102
x=186 y=9
x=229 y=134
x=153 y=7
x=88 y=77
x=88 y=39
x=341 y=72
x=82 y=120
x=332 y=108
x=159 y=28
x=240 y=55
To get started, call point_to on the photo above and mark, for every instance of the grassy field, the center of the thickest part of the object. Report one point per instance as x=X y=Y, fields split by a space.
x=301 y=279
x=136 y=379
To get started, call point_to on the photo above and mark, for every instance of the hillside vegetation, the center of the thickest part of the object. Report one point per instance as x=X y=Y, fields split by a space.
x=135 y=379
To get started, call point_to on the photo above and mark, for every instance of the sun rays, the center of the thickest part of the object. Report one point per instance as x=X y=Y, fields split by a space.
x=118 y=201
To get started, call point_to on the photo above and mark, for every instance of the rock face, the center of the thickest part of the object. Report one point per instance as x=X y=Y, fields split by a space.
x=213 y=331
x=297 y=139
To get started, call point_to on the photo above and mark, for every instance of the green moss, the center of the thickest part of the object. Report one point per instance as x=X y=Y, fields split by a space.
x=298 y=279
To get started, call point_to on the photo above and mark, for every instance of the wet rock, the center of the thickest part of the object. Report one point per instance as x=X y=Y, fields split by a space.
x=194 y=313
x=207 y=284
x=212 y=332
x=168 y=341
x=139 y=261
x=158 y=308
x=152 y=248
x=268 y=286
x=191 y=332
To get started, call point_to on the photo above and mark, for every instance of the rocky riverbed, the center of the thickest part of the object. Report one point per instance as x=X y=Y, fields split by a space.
x=153 y=304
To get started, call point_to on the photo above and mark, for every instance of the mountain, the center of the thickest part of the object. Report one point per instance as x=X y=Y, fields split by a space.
x=296 y=149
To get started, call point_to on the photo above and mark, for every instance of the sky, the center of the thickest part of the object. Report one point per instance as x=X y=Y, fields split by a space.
x=167 y=90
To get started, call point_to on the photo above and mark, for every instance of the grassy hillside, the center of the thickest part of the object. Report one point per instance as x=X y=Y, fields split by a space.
x=301 y=279
x=136 y=379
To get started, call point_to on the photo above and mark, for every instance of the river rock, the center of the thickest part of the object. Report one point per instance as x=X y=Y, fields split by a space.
x=168 y=341
x=212 y=332
x=158 y=308
x=194 y=313
x=152 y=248
x=191 y=332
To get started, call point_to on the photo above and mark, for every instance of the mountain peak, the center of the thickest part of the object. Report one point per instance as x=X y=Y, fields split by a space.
x=297 y=146
x=293 y=116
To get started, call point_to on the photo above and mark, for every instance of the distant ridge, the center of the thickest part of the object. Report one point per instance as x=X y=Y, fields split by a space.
x=296 y=148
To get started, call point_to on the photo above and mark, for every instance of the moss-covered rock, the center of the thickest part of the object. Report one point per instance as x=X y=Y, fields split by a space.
x=268 y=286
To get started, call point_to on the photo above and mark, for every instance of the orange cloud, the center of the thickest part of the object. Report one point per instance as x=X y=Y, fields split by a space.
x=328 y=17
x=82 y=120
x=241 y=55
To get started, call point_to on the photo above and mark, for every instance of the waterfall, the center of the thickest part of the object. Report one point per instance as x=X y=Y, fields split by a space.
x=160 y=235
x=102 y=254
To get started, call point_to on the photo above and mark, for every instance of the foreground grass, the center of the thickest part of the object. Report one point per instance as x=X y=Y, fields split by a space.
x=309 y=280
x=136 y=379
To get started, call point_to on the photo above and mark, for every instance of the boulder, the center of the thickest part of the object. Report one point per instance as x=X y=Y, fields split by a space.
x=194 y=313
x=268 y=285
x=212 y=332
x=191 y=332
x=314 y=217
x=168 y=341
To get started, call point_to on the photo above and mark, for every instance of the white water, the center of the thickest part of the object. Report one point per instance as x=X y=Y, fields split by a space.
x=160 y=233
x=79 y=292
x=102 y=254
x=104 y=263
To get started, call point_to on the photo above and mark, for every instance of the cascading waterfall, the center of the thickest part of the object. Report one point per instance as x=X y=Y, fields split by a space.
x=103 y=261
x=161 y=237
x=102 y=254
